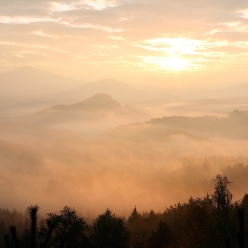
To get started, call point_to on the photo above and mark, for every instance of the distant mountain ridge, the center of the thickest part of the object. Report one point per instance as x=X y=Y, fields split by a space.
x=30 y=80
x=118 y=90
x=100 y=106
x=234 y=125
x=27 y=89
x=98 y=102
x=238 y=90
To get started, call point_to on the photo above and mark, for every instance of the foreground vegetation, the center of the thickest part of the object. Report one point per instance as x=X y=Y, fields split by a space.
x=212 y=221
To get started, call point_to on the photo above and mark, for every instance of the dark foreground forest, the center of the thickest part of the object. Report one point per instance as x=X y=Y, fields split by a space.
x=212 y=221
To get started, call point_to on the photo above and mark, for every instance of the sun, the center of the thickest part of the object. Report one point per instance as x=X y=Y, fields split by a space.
x=177 y=64
x=171 y=63
x=172 y=54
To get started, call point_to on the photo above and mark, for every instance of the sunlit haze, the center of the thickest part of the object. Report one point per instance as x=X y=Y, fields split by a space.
x=121 y=103
x=141 y=42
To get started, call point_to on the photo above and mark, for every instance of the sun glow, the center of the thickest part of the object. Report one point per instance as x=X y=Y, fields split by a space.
x=176 y=63
x=177 y=53
x=172 y=63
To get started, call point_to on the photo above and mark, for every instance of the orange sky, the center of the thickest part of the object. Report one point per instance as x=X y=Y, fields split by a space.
x=199 y=43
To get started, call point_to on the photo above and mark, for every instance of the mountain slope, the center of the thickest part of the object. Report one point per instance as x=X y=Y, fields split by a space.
x=235 y=125
x=116 y=89
x=238 y=90
x=99 y=106
x=30 y=80
x=27 y=89
x=98 y=102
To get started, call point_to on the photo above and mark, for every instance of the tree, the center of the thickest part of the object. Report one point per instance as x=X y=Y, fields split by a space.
x=33 y=224
x=14 y=236
x=109 y=231
x=241 y=230
x=134 y=220
x=222 y=199
x=198 y=228
x=64 y=230
x=162 y=237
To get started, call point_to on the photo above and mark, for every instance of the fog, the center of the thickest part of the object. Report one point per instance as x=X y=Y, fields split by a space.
x=101 y=153
x=115 y=104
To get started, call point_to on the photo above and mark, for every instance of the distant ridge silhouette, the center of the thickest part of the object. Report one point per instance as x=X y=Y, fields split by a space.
x=27 y=79
x=99 y=102
x=98 y=106
x=238 y=90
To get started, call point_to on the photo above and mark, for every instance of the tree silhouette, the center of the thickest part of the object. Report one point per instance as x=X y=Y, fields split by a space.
x=134 y=220
x=109 y=231
x=64 y=230
x=241 y=231
x=222 y=199
x=198 y=227
x=14 y=236
x=201 y=222
x=162 y=237
x=6 y=241
x=33 y=224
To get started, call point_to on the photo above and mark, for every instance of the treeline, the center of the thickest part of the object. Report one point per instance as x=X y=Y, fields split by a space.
x=232 y=126
x=212 y=221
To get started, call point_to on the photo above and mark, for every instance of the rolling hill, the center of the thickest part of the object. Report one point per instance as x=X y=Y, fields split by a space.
x=238 y=90
x=27 y=90
x=100 y=106
x=28 y=80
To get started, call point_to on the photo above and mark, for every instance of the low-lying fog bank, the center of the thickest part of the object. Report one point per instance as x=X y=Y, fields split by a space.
x=150 y=165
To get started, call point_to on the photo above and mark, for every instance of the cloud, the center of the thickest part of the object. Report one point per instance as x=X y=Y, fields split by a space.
x=116 y=37
x=65 y=163
x=243 y=13
x=87 y=4
x=182 y=53
x=230 y=27
x=24 y=19
x=41 y=33
x=188 y=36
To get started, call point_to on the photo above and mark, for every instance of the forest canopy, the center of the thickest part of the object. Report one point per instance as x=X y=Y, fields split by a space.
x=212 y=221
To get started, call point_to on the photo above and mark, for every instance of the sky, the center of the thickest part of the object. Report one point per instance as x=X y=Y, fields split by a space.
x=158 y=42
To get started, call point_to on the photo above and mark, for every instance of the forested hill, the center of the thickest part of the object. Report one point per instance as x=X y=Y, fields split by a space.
x=211 y=221
x=97 y=107
x=235 y=125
